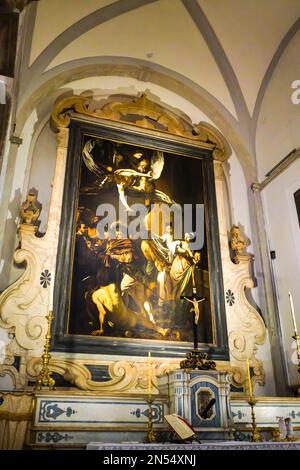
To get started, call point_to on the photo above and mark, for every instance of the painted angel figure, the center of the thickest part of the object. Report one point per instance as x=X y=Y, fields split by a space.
x=141 y=178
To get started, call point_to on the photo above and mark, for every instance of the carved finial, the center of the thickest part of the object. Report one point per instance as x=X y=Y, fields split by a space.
x=29 y=211
x=237 y=243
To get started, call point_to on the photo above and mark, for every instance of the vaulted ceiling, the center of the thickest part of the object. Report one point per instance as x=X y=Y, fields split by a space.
x=225 y=46
x=224 y=51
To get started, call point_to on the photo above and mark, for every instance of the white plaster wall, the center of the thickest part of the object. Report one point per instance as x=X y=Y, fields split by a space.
x=17 y=193
x=264 y=355
x=250 y=31
x=284 y=237
x=34 y=169
x=277 y=135
x=42 y=171
x=279 y=119
x=174 y=44
x=8 y=272
x=239 y=197
x=49 y=23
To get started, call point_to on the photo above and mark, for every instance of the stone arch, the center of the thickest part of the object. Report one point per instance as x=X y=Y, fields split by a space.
x=161 y=76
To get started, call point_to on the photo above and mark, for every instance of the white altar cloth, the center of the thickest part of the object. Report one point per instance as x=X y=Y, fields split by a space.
x=227 y=445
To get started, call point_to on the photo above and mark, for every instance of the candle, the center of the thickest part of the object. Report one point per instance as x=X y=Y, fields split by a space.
x=51 y=292
x=293 y=313
x=249 y=380
x=149 y=372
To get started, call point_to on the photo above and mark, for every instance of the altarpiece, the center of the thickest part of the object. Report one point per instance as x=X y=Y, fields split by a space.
x=126 y=286
x=116 y=296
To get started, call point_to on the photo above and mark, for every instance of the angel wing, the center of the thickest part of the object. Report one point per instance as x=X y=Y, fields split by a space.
x=88 y=159
x=162 y=197
x=157 y=164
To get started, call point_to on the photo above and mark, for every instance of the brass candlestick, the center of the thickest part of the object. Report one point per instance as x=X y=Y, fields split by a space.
x=296 y=337
x=44 y=378
x=256 y=436
x=150 y=437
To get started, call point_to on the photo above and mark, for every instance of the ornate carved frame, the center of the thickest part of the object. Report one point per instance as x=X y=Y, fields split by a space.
x=131 y=134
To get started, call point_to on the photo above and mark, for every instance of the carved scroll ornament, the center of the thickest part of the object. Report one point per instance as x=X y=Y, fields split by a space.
x=144 y=113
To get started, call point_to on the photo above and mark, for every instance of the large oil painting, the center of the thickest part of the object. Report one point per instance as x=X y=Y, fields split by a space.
x=138 y=246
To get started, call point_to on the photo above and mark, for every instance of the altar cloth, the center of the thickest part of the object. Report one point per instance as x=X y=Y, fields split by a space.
x=227 y=445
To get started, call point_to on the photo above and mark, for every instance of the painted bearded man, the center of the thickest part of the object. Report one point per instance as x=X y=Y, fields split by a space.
x=121 y=299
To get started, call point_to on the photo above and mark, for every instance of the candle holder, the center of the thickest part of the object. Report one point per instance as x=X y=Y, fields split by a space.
x=256 y=436
x=196 y=359
x=296 y=337
x=44 y=378
x=150 y=437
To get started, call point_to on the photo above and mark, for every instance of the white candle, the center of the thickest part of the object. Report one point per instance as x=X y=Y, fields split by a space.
x=249 y=380
x=149 y=373
x=51 y=292
x=293 y=313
